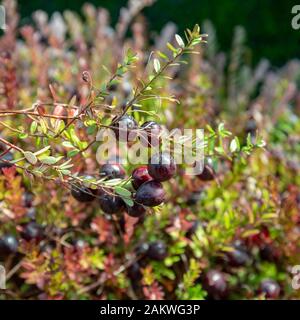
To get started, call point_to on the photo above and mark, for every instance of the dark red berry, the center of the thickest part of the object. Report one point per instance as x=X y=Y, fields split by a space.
x=125 y=128
x=134 y=272
x=79 y=244
x=142 y=249
x=112 y=171
x=237 y=258
x=136 y=211
x=32 y=231
x=27 y=199
x=215 y=284
x=150 y=194
x=111 y=204
x=208 y=172
x=161 y=167
x=270 y=288
x=157 y=251
x=82 y=193
x=6 y=157
x=270 y=253
x=139 y=176
x=149 y=134
x=259 y=239
x=8 y=244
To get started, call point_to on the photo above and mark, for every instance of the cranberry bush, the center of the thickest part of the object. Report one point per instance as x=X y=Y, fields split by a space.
x=75 y=226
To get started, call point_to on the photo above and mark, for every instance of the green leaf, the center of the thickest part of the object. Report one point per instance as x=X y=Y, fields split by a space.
x=122 y=192
x=66 y=172
x=49 y=160
x=23 y=135
x=33 y=127
x=128 y=201
x=156 y=65
x=162 y=55
x=174 y=50
x=73 y=152
x=179 y=41
x=30 y=157
x=234 y=145
x=42 y=151
x=68 y=144
x=91 y=129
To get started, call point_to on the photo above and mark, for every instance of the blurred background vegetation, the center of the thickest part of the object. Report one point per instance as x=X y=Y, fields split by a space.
x=267 y=22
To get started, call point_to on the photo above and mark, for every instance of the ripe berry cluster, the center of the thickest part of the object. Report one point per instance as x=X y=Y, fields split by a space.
x=146 y=180
x=29 y=231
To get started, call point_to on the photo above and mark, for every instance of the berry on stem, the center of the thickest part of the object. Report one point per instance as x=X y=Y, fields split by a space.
x=157 y=251
x=27 y=199
x=142 y=248
x=136 y=211
x=82 y=193
x=6 y=157
x=270 y=288
x=149 y=135
x=208 y=172
x=8 y=244
x=125 y=128
x=215 y=284
x=32 y=231
x=150 y=194
x=161 y=167
x=139 y=176
x=111 y=204
x=112 y=171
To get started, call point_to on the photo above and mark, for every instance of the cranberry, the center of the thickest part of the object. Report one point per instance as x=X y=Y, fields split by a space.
x=161 y=167
x=33 y=231
x=149 y=135
x=79 y=244
x=111 y=204
x=270 y=253
x=270 y=288
x=112 y=171
x=238 y=258
x=260 y=238
x=8 y=244
x=208 y=172
x=136 y=211
x=134 y=272
x=142 y=248
x=139 y=176
x=7 y=157
x=125 y=123
x=150 y=194
x=83 y=193
x=157 y=251
x=27 y=199
x=215 y=284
